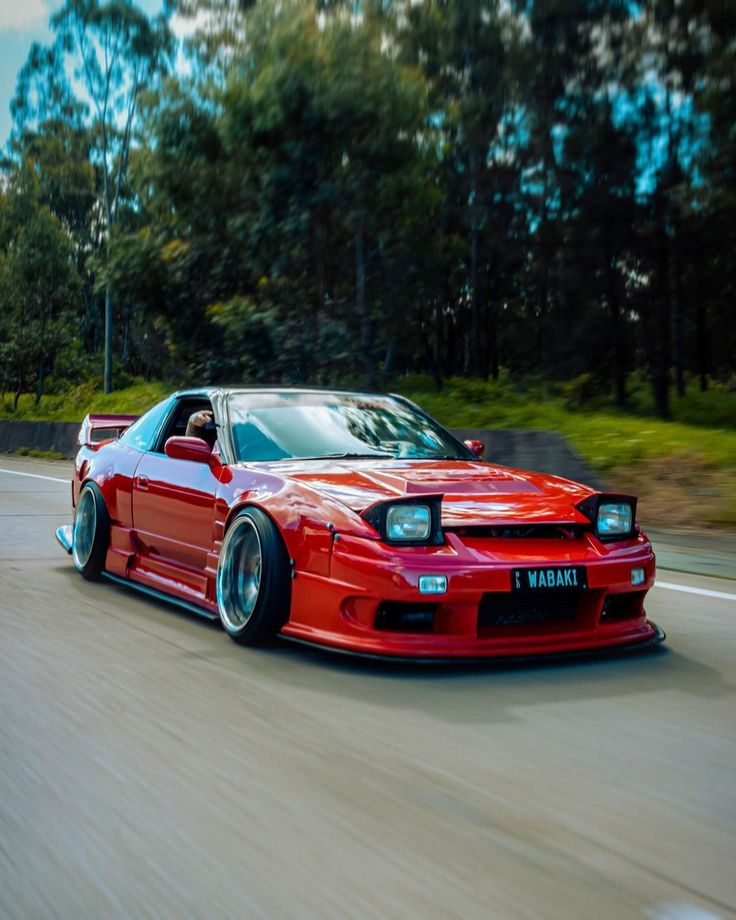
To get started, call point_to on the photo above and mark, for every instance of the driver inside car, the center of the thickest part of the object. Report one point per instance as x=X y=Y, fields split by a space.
x=201 y=424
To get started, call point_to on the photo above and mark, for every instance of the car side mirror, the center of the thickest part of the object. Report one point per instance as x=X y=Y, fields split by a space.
x=194 y=449
x=477 y=448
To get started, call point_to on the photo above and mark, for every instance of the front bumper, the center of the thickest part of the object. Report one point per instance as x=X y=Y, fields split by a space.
x=619 y=648
x=340 y=611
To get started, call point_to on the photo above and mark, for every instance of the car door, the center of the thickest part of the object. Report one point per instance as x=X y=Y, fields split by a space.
x=173 y=509
x=113 y=469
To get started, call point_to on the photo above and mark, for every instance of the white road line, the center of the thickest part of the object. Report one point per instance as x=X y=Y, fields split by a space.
x=686 y=589
x=37 y=476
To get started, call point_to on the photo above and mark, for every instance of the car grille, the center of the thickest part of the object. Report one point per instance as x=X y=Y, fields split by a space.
x=504 y=608
x=524 y=531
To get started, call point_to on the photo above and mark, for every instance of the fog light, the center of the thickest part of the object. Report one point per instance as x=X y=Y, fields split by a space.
x=432 y=584
x=638 y=576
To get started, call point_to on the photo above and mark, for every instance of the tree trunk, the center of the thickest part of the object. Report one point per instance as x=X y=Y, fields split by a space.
x=434 y=368
x=544 y=251
x=442 y=343
x=40 y=381
x=662 y=331
x=124 y=346
x=475 y=358
x=388 y=360
x=108 y=339
x=701 y=327
x=619 y=349
x=495 y=366
x=366 y=338
x=541 y=323
x=450 y=340
x=679 y=322
x=491 y=364
x=661 y=389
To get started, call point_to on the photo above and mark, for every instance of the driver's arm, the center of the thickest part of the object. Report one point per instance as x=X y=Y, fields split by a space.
x=197 y=422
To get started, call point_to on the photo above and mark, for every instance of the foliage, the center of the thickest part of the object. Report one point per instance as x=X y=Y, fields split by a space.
x=76 y=402
x=39 y=454
x=339 y=191
x=114 y=52
x=606 y=437
x=38 y=287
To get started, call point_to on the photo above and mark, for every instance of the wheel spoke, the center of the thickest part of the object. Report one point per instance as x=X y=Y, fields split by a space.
x=239 y=575
x=85 y=525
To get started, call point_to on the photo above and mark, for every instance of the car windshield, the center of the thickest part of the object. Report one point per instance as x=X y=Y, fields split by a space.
x=286 y=425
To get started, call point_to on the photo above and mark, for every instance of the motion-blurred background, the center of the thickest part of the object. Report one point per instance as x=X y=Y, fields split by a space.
x=521 y=214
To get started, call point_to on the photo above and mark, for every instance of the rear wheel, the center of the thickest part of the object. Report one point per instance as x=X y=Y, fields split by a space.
x=253 y=579
x=91 y=533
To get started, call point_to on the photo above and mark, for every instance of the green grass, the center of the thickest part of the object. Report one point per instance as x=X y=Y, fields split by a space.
x=73 y=405
x=40 y=454
x=715 y=408
x=604 y=437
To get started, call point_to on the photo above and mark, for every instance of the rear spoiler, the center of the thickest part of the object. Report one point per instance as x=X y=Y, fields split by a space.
x=98 y=428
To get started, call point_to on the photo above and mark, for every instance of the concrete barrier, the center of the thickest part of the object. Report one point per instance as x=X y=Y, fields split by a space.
x=544 y=451
x=56 y=436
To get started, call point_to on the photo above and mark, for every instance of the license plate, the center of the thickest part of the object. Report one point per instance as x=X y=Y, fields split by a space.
x=550 y=578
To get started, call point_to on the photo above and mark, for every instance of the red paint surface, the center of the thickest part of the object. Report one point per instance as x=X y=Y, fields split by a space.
x=168 y=517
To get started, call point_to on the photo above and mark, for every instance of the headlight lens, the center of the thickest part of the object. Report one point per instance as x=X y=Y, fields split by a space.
x=408 y=522
x=614 y=519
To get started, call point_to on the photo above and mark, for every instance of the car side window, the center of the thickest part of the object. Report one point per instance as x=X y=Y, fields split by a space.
x=141 y=433
x=178 y=417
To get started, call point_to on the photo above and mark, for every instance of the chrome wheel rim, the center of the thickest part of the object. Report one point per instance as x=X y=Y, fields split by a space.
x=85 y=525
x=239 y=575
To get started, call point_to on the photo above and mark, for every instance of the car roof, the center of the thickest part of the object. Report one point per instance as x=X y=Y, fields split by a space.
x=236 y=389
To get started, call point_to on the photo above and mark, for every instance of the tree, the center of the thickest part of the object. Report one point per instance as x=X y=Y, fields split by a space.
x=313 y=144
x=339 y=189
x=713 y=265
x=116 y=53
x=38 y=286
x=467 y=52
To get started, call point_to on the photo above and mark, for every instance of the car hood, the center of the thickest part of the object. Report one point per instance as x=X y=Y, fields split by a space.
x=474 y=493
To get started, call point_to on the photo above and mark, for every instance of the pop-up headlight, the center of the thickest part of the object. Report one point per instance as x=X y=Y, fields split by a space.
x=613 y=516
x=408 y=521
x=614 y=519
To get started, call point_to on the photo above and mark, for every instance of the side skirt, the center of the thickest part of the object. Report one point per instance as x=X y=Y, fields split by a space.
x=159 y=595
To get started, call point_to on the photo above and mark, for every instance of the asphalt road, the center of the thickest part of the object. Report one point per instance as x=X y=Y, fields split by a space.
x=149 y=767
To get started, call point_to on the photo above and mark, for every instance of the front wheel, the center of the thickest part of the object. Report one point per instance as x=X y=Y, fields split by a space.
x=91 y=533
x=253 y=579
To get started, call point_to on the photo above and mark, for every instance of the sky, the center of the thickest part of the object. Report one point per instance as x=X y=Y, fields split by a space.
x=23 y=22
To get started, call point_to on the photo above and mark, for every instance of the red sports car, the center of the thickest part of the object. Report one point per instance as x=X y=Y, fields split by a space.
x=355 y=522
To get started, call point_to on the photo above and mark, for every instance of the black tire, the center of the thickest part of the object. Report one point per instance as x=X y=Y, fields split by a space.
x=253 y=579
x=91 y=533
